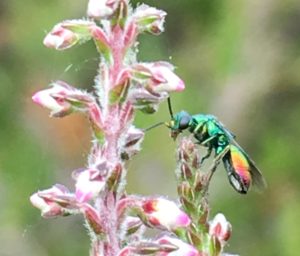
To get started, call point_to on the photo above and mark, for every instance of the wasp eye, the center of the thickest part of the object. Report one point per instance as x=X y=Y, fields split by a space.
x=184 y=122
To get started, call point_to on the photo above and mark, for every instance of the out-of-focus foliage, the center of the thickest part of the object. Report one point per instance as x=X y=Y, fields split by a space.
x=240 y=61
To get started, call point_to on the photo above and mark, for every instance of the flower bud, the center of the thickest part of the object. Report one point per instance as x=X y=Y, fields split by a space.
x=131 y=225
x=102 y=43
x=157 y=77
x=101 y=9
x=89 y=183
x=184 y=190
x=119 y=91
x=149 y=19
x=147 y=248
x=114 y=180
x=97 y=123
x=131 y=32
x=183 y=249
x=132 y=142
x=68 y=33
x=145 y=101
x=93 y=219
x=220 y=228
x=62 y=99
x=53 y=202
x=164 y=214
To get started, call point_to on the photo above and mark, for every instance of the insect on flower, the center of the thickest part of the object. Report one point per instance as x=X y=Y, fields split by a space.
x=212 y=134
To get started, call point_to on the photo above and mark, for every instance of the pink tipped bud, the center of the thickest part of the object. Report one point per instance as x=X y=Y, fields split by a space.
x=149 y=19
x=48 y=209
x=89 y=183
x=101 y=9
x=68 y=33
x=183 y=249
x=53 y=202
x=220 y=228
x=164 y=79
x=60 y=38
x=165 y=214
x=57 y=106
x=62 y=99
x=157 y=77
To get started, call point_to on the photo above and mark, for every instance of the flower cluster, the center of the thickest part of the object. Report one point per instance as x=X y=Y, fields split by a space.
x=116 y=221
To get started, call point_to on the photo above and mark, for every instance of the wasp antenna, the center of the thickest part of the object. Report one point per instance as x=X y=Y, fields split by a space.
x=170 y=107
x=153 y=126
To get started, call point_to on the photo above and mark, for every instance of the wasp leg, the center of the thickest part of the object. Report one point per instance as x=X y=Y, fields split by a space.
x=209 y=150
x=208 y=140
x=213 y=167
x=221 y=155
x=198 y=127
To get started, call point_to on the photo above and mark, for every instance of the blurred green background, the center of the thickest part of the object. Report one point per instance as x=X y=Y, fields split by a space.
x=240 y=61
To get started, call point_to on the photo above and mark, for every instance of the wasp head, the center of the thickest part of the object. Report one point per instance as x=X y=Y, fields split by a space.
x=179 y=122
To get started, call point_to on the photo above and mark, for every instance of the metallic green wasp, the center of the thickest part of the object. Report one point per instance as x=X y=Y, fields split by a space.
x=211 y=133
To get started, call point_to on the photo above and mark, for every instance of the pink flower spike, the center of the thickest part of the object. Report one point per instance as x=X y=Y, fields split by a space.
x=220 y=228
x=101 y=9
x=184 y=249
x=164 y=214
x=88 y=185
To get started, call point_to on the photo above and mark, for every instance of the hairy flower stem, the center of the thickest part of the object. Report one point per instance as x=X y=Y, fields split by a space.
x=113 y=128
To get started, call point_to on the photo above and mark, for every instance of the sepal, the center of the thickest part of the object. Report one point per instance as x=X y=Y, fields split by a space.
x=132 y=142
x=130 y=225
x=102 y=43
x=93 y=219
x=147 y=248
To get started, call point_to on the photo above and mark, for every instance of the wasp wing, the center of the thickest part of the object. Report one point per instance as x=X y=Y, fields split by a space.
x=257 y=178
